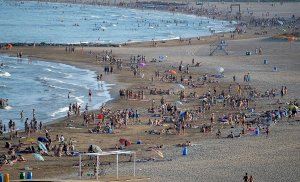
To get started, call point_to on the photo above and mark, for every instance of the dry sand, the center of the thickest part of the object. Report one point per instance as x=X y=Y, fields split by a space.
x=214 y=160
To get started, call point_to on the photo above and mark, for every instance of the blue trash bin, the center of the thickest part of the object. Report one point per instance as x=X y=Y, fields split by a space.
x=1 y=177
x=29 y=175
x=257 y=131
x=184 y=151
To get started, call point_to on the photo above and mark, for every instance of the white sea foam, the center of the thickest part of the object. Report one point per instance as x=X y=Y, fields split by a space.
x=60 y=110
x=47 y=69
x=4 y=74
x=8 y=108
x=62 y=88
x=67 y=75
x=79 y=99
x=52 y=79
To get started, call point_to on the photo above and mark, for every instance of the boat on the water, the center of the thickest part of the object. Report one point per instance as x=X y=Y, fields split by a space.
x=3 y=103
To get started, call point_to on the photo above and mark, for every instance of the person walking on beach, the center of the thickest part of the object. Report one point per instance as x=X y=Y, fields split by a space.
x=267 y=131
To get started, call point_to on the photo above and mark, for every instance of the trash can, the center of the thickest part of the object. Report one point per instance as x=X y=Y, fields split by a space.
x=29 y=175
x=184 y=151
x=6 y=177
x=22 y=175
x=266 y=61
x=257 y=131
x=1 y=177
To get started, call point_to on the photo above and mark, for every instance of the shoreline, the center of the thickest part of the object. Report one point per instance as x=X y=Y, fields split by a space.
x=113 y=82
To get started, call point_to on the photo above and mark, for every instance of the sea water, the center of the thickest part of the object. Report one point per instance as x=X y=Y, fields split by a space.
x=35 y=22
x=44 y=86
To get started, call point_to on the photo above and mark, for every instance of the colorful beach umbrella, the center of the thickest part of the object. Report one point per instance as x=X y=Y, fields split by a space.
x=100 y=116
x=142 y=64
x=172 y=72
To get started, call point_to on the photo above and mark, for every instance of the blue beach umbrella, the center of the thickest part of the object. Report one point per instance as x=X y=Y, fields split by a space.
x=42 y=139
x=42 y=147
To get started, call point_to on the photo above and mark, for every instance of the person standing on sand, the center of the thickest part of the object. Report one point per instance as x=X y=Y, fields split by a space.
x=267 y=131
x=212 y=119
x=250 y=179
x=245 y=178
x=41 y=125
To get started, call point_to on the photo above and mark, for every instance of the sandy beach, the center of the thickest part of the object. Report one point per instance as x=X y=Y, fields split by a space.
x=267 y=158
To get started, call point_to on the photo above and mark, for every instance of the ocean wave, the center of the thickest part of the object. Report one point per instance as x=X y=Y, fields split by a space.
x=94 y=16
x=61 y=88
x=79 y=99
x=47 y=69
x=51 y=79
x=8 y=108
x=5 y=74
x=67 y=75
x=3 y=86
x=46 y=79
x=60 y=110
